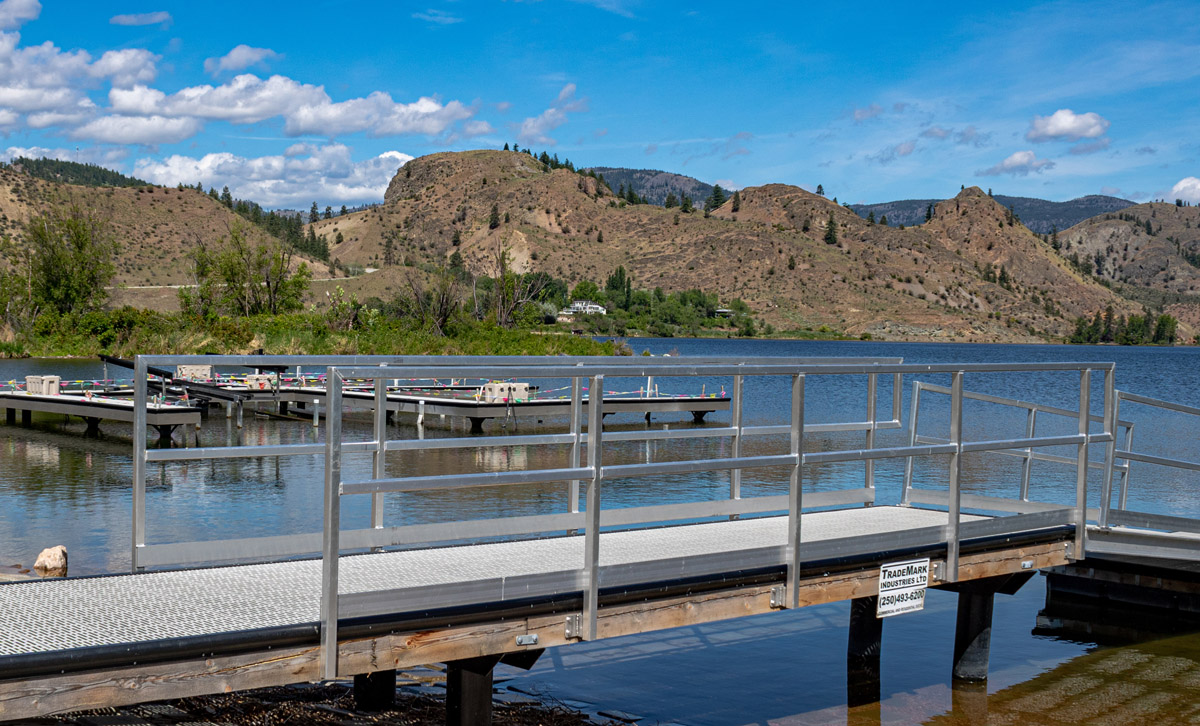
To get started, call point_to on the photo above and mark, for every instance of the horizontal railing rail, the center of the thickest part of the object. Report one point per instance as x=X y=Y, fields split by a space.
x=1025 y=448
x=1121 y=516
x=590 y=576
x=579 y=462
x=489 y=368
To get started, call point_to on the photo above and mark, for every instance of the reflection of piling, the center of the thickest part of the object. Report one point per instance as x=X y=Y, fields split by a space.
x=863 y=648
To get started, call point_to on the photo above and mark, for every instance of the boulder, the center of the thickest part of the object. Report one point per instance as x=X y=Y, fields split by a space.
x=52 y=562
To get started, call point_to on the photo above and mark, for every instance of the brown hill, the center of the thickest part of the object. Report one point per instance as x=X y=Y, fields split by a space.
x=1148 y=251
x=967 y=275
x=1148 y=245
x=155 y=226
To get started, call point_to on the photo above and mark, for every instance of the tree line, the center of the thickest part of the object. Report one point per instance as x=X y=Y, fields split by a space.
x=1108 y=327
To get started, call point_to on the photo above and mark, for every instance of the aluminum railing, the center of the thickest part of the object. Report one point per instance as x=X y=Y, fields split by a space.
x=1029 y=454
x=586 y=579
x=374 y=536
x=1130 y=532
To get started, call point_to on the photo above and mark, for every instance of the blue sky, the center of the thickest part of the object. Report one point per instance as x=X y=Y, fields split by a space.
x=873 y=100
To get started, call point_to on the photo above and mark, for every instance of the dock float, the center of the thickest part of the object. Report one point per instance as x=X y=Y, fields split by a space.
x=163 y=417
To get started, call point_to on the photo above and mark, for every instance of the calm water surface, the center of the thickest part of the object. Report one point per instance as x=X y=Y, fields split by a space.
x=57 y=487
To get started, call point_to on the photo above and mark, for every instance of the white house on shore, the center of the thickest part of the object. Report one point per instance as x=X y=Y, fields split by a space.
x=580 y=307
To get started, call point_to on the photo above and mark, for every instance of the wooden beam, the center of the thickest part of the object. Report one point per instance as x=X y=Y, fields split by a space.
x=44 y=695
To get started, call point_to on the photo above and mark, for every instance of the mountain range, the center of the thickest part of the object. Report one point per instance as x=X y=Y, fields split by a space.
x=973 y=272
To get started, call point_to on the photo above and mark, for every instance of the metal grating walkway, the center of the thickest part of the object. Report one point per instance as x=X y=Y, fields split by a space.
x=52 y=615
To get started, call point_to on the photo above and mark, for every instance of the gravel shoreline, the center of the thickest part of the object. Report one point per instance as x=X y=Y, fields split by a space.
x=420 y=701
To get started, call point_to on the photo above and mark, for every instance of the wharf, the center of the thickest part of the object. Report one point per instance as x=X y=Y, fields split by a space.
x=129 y=638
x=478 y=411
x=164 y=417
x=392 y=592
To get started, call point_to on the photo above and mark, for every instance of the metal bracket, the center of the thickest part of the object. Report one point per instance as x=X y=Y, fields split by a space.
x=939 y=571
x=531 y=638
x=574 y=627
x=1069 y=551
x=779 y=596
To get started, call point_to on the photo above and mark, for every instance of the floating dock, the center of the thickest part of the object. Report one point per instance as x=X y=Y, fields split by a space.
x=164 y=417
x=474 y=593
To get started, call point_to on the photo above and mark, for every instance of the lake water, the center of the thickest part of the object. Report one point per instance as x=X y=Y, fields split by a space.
x=58 y=487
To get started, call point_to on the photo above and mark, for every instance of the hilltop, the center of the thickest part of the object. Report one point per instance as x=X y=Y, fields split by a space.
x=971 y=273
x=1038 y=215
x=70 y=172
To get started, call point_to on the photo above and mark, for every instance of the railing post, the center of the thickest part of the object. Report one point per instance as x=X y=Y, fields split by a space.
x=139 y=458
x=795 y=492
x=872 y=405
x=330 y=536
x=1081 y=461
x=576 y=441
x=591 y=542
x=735 y=475
x=1123 y=497
x=956 y=420
x=897 y=395
x=1110 y=449
x=379 y=462
x=914 y=407
x=1027 y=467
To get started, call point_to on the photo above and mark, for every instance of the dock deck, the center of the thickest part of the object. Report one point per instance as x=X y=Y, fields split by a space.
x=258 y=624
x=94 y=409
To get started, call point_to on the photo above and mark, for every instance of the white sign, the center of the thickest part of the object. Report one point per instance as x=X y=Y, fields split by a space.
x=902 y=587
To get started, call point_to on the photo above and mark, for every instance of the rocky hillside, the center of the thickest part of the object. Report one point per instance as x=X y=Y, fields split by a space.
x=966 y=275
x=1038 y=215
x=655 y=185
x=154 y=226
x=1148 y=251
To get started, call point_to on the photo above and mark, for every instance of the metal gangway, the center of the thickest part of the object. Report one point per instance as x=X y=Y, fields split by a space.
x=473 y=592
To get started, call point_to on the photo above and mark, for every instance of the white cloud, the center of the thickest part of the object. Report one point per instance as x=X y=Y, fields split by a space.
x=293 y=179
x=62 y=117
x=239 y=59
x=1110 y=191
x=155 y=18
x=243 y=99
x=438 y=17
x=905 y=148
x=936 y=132
x=477 y=128
x=1187 y=189
x=14 y=13
x=126 y=67
x=306 y=109
x=26 y=100
x=536 y=129
x=1066 y=125
x=1018 y=164
x=145 y=130
x=377 y=115
x=52 y=83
